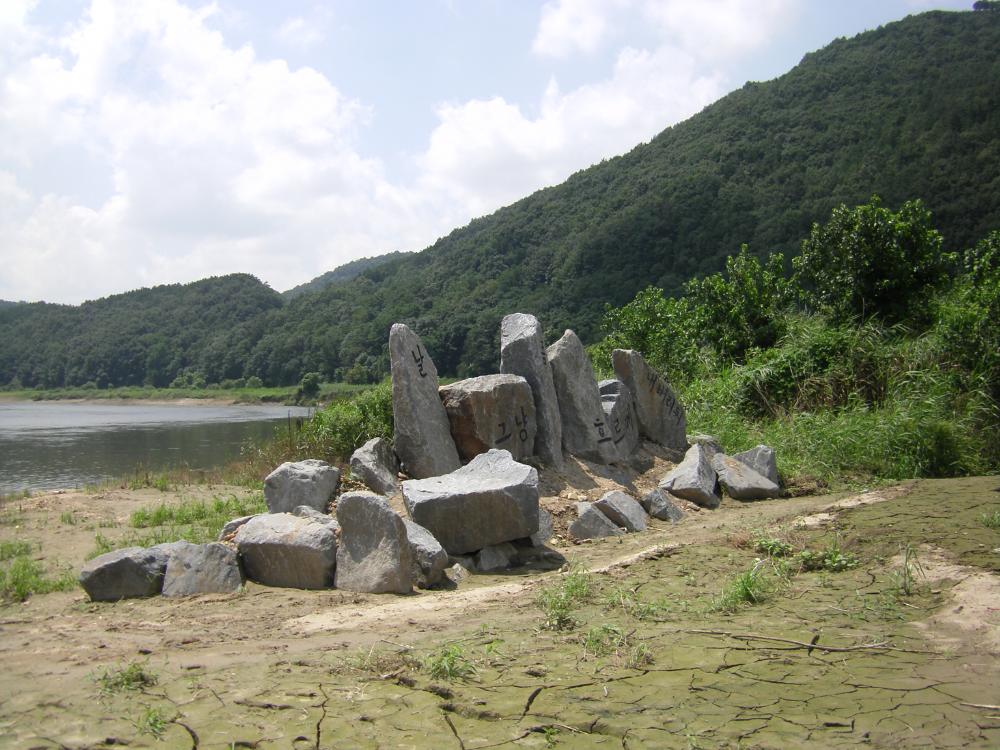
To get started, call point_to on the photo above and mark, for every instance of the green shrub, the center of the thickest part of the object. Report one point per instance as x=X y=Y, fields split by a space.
x=343 y=426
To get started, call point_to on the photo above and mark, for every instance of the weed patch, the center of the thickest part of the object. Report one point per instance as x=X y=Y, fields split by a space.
x=24 y=577
x=558 y=602
x=450 y=663
x=132 y=677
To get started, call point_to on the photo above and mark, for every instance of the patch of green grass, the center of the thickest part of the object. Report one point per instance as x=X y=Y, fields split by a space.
x=638 y=657
x=450 y=663
x=68 y=517
x=772 y=547
x=132 y=677
x=832 y=559
x=24 y=577
x=746 y=588
x=991 y=520
x=14 y=549
x=628 y=600
x=558 y=602
x=153 y=722
x=604 y=639
x=904 y=579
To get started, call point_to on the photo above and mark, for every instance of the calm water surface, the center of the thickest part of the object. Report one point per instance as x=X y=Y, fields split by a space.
x=52 y=444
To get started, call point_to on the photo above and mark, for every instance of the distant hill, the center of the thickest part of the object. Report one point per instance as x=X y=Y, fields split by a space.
x=910 y=110
x=340 y=274
x=6 y=303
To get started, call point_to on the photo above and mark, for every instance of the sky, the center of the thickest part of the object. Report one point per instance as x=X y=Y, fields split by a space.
x=148 y=142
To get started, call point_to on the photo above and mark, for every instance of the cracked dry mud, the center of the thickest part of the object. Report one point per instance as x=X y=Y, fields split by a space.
x=829 y=660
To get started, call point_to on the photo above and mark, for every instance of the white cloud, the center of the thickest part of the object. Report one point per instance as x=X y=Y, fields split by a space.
x=569 y=26
x=299 y=32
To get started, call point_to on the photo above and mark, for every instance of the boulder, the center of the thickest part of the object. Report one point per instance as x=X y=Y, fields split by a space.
x=662 y=419
x=761 y=459
x=694 y=479
x=622 y=510
x=202 y=569
x=310 y=482
x=429 y=558
x=522 y=352
x=375 y=464
x=493 y=499
x=422 y=434
x=710 y=443
x=584 y=431
x=231 y=527
x=125 y=573
x=740 y=481
x=620 y=417
x=592 y=524
x=546 y=529
x=304 y=511
x=660 y=504
x=279 y=549
x=495 y=557
x=491 y=411
x=374 y=554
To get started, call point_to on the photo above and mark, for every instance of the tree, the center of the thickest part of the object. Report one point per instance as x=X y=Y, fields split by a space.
x=309 y=386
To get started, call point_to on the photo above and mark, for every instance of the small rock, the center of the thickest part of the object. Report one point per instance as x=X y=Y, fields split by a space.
x=546 y=529
x=374 y=554
x=279 y=549
x=622 y=510
x=592 y=524
x=495 y=557
x=310 y=482
x=761 y=459
x=375 y=464
x=125 y=574
x=659 y=504
x=741 y=482
x=694 y=479
x=202 y=569
x=429 y=558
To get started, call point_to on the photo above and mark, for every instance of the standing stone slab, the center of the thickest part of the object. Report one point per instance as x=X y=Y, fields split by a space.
x=202 y=569
x=620 y=416
x=310 y=482
x=374 y=554
x=125 y=574
x=622 y=510
x=422 y=434
x=584 y=431
x=493 y=499
x=491 y=411
x=661 y=416
x=429 y=558
x=279 y=549
x=522 y=352
x=375 y=464
x=740 y=481
x=761 y=459
x=592 y=524
x=694 y=479
x=660 y=504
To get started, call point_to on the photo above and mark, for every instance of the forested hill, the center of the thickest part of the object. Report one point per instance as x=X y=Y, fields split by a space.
x=911 y=110
x=340 y=274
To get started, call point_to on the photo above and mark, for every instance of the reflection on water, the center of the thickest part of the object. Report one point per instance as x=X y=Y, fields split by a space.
x=48 y=445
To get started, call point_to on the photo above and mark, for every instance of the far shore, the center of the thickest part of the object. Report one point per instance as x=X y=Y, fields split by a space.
x=281 y=395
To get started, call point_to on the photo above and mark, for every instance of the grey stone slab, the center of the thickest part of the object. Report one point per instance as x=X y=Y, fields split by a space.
x=495 y=557
x=661 y=504
x=762 y=460
x=202 y=569
x=622 y=510
x=375 y=464
x=546 y=529
x=741 y=482
x=279 y=549
x=621 y=417
x=491 y=411
x=374 y=554
x=310 y=514
x=124 y=574
x=694 y=479
x=590 y=523
x=430 y=560
x=662 y=418
x=310 y=482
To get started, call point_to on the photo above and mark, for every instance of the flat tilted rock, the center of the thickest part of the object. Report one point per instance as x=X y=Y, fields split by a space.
x=125 y=573
x=493 y=499
x=740 y=481
x=761 y=459
x=620 y=416
x=661 y=416
x=422 y=434
x=522 y=352
x=374 y=554
x=660 y=504
x=622 y=510
x=491 y=411
x=202 y=569
x=375 y=464
x=592 y=524
x=310 y=482
x=279 y=549
x=429 y=558
x=694 y=479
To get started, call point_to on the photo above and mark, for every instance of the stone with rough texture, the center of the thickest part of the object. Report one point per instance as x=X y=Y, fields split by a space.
x=584 y=431
x=694 y=479
x=620 y=416
x=622 y=510
x=546 y=529
x=125 y=573
x=310 y=514
x=279 y=549
x=429 y=558
x=522 y=352
x=592 y=524
x=202 y=569
x=761 y=459
x=661 y=416
x=491 y=411
x=740 y=481
x=660 y=504
x=375 y=464
x=493 y=499
x=495 y=557
x=231 y=527
x=374 y=554
x=310 y=482
x=422 y=434
x=710 y=443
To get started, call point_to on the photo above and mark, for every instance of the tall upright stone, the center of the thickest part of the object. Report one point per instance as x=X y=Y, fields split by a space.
x=661 y=416
x=522 y=352
x=491 y=411
x=584 y=430
x=422 y=434
x=620 y=417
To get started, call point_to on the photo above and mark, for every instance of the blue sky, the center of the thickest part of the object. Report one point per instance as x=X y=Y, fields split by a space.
x=160 y=141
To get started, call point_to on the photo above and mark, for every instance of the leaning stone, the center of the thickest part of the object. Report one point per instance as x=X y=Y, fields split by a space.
x=659 y=504
x=493 y=499
x=522 y=352
x=304 y=511
x=375 y=464
x=622 y=510
x=592 y=524
x=429 y=558
x=231 y=527
x=584 y=431
x=125 y=574
x=710 y=443
x=202 y=569
x=422 y=434
x=491 y=411
x=279 y=549
x=694 y=479
x=310 y=482
x=374 y=554
x=620 y=417
x=495 y=557
x=741 y=482
x=661 y=416
x=546 y=529
x=760 y=459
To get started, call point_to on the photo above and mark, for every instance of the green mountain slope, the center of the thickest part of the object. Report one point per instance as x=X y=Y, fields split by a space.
x=911 y=110
x=340 y=274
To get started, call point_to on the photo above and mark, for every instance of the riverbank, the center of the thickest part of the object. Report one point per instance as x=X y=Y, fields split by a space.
x=285 y=395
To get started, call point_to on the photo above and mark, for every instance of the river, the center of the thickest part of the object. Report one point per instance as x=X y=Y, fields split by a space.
x=57 y=444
